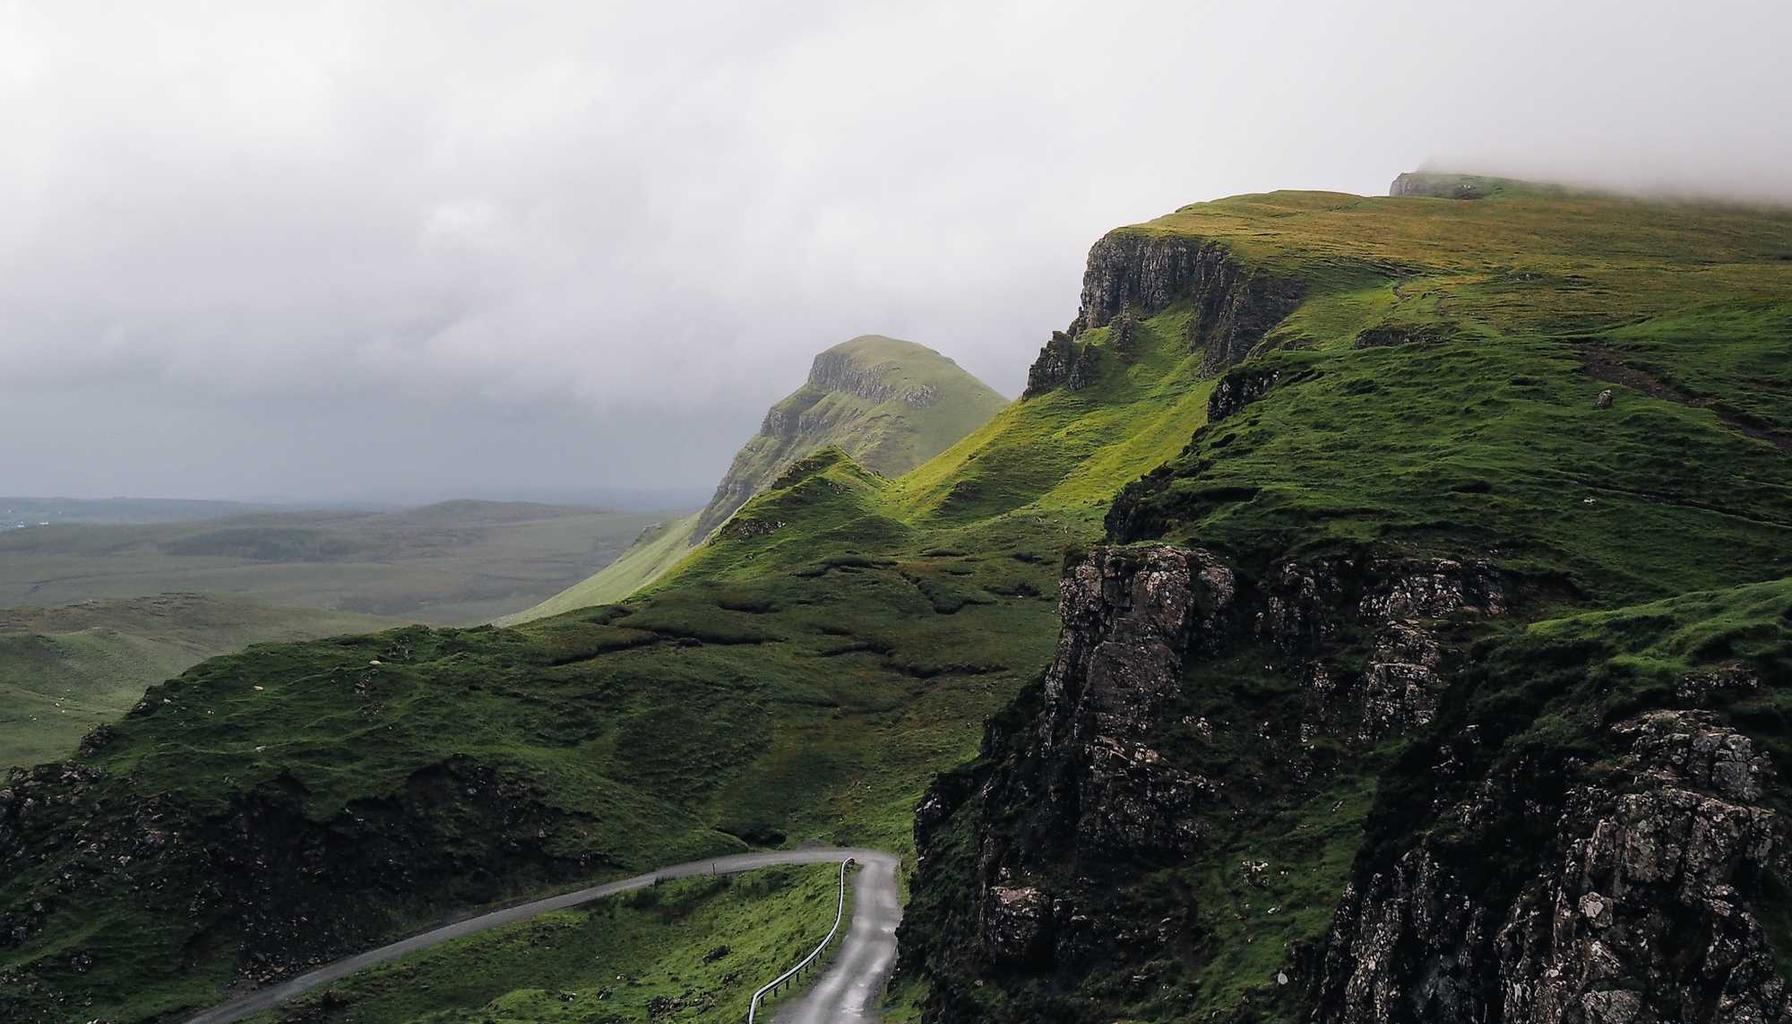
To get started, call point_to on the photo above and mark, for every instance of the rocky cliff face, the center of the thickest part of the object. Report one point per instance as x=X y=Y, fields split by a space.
x=1196 y=707
x=1128 y=765
x=840 y=371
x=1132 y=274
x=1086 y=782
x=1638 y=901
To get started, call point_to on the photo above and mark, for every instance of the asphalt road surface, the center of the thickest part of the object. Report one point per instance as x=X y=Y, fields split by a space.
x=872 y=899
x=854 y=981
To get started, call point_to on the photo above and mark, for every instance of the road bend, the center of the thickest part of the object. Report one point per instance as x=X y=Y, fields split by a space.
x=871 y=897
x=853 y=984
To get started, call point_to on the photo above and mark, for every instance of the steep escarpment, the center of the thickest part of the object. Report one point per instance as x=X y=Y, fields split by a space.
x=1132 y=275
x=1110 y=849
x=889 y=404
x=1583 y=822
x=1424 y=683
x=1643 y=893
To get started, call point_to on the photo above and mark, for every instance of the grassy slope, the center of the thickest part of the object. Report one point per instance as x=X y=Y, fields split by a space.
x=651 y=556
x=685 y=951
x=888 y=435
x=1480 y=437
x=457 y=562
x=1490 y=439
x=824 y=670
x=65 y=670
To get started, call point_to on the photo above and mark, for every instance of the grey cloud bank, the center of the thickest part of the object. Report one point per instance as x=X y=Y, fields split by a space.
x=333 y=250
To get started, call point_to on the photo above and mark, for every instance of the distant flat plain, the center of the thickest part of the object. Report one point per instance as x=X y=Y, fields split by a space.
x=454 y=563
x=112 y=596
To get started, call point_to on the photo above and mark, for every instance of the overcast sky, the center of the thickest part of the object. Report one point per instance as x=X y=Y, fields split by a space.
x=395 y=250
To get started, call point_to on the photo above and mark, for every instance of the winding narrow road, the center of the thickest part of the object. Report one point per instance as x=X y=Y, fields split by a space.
x=846 y=992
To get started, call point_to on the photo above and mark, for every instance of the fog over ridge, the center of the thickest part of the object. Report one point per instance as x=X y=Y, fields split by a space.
x=407 y=250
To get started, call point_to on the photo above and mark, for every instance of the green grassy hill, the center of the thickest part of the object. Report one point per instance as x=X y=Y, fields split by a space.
x=1296 y=382
x=889 y=404
x=837 y=644
x=1507 y=489
x=66 y=670
x=453 y=562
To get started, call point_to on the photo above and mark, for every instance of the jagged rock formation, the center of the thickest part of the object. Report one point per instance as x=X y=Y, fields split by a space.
x=1106 y=777
x=1131 y=616
x=1090 y=783
x=1132 y=274
x=1386 y=335
x=1625 y=889
x=889 y=404
x=1638 y=905
x=1239 y=388
x=1063 y=363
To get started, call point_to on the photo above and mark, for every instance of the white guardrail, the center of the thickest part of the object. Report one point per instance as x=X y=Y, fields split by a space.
x=771 y=987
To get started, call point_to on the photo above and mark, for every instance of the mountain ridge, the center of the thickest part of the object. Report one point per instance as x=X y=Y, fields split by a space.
x=887 y=403
x=881 y=373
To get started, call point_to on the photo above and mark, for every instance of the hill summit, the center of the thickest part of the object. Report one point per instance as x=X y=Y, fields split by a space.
x=888 y=404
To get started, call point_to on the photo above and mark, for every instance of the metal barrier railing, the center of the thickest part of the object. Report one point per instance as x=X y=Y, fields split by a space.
x=771 y=987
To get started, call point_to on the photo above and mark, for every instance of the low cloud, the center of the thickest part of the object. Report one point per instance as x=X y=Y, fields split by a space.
x=355 y=249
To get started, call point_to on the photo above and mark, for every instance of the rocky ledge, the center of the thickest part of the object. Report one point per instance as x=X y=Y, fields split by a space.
x=1102 y=779
x=1134 y=274
x=1637 y=909
x=843 y=372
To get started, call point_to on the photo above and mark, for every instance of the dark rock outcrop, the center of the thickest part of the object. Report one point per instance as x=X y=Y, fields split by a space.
x=1240 y=387
x=1506 y=883
x=1127 y=617
x=1103 y=780
x=1052 y=368
x=1397 y=610
x=1637 y=906
x=1146 y=272
x=1133 y=274
x=1088 y=784
x=1390 y=335
x=1437 y=186
x=1235 y=304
